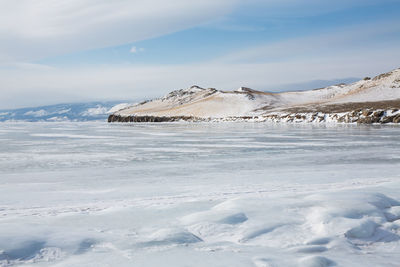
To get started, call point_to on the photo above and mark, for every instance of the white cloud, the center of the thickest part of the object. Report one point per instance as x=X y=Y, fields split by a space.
x=31 y=30
x=135 y=50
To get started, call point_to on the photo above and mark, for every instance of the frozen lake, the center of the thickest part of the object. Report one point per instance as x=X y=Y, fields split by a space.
x=199 y=194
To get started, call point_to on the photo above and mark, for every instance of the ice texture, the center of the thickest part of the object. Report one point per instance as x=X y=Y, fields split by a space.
x=199 y=194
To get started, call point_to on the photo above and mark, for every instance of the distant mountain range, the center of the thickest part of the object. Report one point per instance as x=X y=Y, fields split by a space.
x=370 y=100
x=62 y=112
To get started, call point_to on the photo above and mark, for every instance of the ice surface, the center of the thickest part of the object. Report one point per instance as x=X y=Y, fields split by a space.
x=203 y=194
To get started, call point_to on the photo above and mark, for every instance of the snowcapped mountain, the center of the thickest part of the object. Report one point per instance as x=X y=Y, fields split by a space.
x=196 y=103
x=61 y=112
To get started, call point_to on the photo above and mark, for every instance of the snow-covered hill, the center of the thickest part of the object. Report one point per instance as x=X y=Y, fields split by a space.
x=204 y=103
x=198 y=103
x=62 y=112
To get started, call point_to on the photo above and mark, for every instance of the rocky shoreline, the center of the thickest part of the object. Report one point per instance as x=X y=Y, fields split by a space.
x=360 y=116
x=119 y=118
x=357 y=116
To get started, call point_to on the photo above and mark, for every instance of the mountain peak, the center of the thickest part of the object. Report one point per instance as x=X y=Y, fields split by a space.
x=196 y=87
x=244 y=89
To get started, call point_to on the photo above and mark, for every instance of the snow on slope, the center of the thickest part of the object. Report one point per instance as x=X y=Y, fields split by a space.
x=200 y=102
x=383 y=87
x=212 y=103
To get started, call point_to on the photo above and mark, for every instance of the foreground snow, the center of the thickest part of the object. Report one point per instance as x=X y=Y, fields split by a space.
x=90 y=194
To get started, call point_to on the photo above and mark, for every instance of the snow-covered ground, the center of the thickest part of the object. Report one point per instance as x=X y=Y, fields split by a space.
x=199 y=194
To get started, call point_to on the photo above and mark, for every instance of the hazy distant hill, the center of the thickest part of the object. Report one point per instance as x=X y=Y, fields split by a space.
x=61 y=112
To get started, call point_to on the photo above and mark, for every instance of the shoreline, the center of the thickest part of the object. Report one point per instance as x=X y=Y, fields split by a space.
x=359 y=116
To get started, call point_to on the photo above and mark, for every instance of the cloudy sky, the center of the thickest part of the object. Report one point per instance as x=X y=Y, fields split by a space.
x=54 y=51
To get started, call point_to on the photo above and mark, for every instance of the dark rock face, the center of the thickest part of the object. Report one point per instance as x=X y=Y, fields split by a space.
x=378 y=117
x=366 y=112
x=387 y=119
x=396 y=119
x=379 y=113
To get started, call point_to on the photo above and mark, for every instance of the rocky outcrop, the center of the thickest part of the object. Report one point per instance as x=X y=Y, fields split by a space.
x=119 y=118
x=357 y=116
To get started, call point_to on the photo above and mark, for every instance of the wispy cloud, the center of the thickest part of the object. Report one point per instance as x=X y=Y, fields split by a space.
x=360 y=40
x=138 y=81
x=30 y=30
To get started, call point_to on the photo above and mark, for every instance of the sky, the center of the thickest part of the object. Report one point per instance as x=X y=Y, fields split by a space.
x=58 y=51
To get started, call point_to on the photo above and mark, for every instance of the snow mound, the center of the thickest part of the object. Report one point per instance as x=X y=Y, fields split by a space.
x=30 y=251
x=316 y=261
x=169 y=237
x=318 y=224
x=234 y=219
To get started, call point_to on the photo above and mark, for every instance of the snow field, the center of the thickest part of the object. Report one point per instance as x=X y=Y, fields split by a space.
x=183 y=194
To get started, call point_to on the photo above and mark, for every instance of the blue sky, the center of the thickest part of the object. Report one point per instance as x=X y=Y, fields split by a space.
x=103 y=50
x=239 y=30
